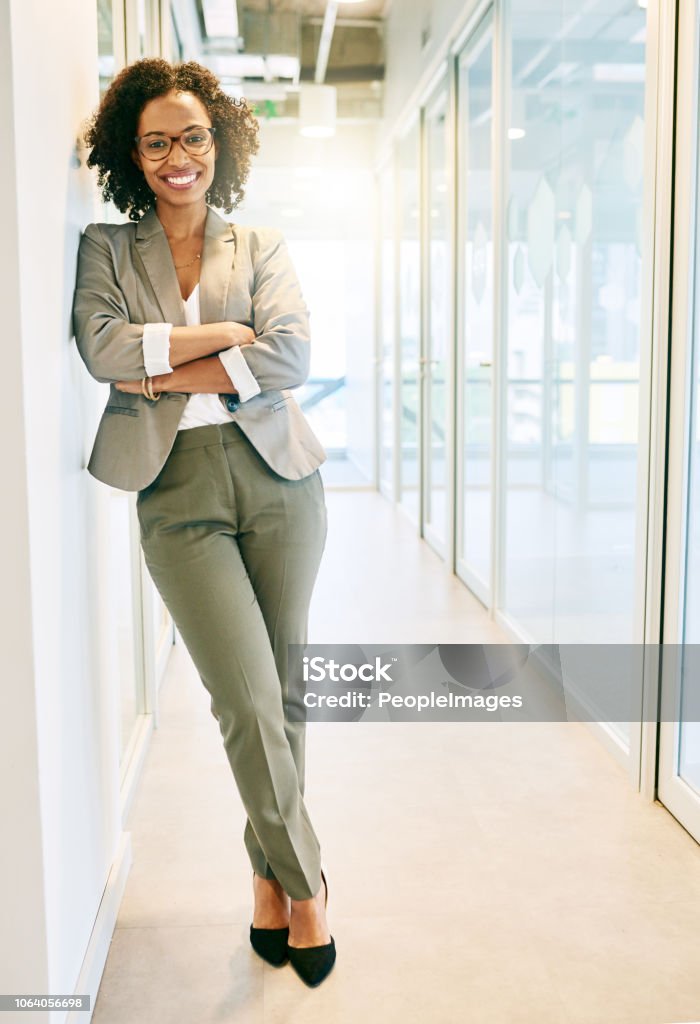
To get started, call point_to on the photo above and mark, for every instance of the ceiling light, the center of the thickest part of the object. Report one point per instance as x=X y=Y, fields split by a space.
x=317 y=110
x=237 y=65
x=518 y=116
x=630 y=73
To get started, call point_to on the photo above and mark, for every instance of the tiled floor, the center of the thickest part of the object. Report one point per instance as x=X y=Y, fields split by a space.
x=497 y=873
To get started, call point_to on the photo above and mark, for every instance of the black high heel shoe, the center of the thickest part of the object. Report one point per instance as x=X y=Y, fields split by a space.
x=270 y=943
x=313 y=963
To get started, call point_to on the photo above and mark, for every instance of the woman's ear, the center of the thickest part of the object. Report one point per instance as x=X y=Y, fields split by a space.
x=136 y=158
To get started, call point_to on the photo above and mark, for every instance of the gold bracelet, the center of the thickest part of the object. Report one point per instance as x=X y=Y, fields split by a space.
x=149 y=387
x=143 y=387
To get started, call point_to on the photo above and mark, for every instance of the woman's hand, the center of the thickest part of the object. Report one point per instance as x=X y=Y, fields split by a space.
x=200 y=376
x=239 y=334
x=159 y=382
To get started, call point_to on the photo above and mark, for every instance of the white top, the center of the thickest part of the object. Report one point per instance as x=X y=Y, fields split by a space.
x=200 y=409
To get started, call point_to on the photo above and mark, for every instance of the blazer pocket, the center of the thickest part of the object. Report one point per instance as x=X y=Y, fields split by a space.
x=121 y=409
x=280 y=405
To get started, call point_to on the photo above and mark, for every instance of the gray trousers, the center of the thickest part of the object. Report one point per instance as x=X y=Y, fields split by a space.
x=234 y=551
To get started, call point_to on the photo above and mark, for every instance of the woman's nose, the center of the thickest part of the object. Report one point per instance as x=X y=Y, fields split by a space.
x=178 y=156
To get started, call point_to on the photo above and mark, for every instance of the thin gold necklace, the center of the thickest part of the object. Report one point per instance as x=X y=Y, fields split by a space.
x=183 y=266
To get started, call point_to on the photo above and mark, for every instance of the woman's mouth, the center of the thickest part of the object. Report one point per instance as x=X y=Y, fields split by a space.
x=181 y=181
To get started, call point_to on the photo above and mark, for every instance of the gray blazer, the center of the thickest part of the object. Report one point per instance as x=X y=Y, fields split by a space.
x=126 y=278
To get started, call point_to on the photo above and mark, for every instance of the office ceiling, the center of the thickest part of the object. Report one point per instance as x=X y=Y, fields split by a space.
x=265 y=49
x=317 y=8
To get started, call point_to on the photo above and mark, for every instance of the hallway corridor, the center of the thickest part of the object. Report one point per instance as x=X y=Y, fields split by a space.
x=495 y=873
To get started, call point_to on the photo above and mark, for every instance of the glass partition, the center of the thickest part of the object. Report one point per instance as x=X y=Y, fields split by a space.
x=475 y=311
x=574 y=156
x=106 y=58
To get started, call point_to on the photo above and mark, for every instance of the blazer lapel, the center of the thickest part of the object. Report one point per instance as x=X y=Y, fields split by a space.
x=218 y=259
x=217 y=262
x=152 y=246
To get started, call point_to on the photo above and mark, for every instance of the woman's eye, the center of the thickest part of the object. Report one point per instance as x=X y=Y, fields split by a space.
x=155 y=144
x=195 y=138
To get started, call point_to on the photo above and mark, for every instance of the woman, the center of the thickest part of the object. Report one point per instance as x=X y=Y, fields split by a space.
x=200 y=328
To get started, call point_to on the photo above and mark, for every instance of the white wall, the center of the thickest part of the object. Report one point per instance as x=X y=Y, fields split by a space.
x=23 y=951
x=60 y=756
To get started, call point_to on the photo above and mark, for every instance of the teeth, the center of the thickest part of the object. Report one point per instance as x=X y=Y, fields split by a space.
x=182 y=181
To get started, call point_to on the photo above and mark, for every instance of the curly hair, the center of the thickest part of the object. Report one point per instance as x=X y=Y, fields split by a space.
x=111 y=129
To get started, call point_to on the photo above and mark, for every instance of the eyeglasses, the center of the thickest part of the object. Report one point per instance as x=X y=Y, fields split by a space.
x=157 y=145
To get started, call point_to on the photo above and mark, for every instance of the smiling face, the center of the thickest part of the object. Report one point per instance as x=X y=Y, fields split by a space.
x=179 y=178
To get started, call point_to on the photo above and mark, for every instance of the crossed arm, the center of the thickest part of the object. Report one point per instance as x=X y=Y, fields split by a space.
x=276 y=349
x=194 y=359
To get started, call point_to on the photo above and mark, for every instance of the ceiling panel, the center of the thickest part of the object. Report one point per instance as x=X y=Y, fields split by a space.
x=317 y=8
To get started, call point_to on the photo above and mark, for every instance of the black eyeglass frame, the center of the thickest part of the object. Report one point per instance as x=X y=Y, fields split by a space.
x=175 y=138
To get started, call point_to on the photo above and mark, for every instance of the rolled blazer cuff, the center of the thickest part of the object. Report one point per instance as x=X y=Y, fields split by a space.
x=240 y=376
x=156 y=348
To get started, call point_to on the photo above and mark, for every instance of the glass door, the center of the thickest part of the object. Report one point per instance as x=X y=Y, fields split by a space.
x=575 y=459
x=475 y=307
x=679 y=747
x=435 y=362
